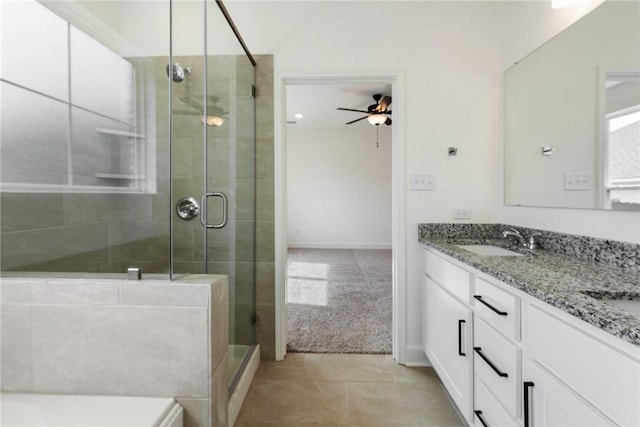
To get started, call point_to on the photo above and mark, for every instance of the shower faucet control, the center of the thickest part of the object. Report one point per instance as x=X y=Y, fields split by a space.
x=177 y=72
x=187 y=208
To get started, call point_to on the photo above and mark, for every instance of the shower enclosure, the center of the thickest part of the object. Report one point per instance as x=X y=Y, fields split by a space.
x=128 y=141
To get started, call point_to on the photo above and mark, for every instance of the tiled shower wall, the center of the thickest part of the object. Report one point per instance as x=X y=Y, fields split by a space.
x=265 y=224
x=116 y=337
x=93 y=231
x=85 y=232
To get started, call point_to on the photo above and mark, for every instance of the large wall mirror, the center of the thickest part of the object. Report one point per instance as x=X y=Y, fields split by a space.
x=572 y=116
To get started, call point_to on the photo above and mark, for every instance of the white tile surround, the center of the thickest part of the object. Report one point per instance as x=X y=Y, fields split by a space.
x=150 y=338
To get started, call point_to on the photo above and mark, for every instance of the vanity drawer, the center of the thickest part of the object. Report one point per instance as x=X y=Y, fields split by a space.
x=487 y=407
x=498 y=307
x=496 y=361
x=448 y=275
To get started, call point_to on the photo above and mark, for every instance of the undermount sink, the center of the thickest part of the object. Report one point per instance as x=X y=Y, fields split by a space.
x=631 y=306
x=489 y=250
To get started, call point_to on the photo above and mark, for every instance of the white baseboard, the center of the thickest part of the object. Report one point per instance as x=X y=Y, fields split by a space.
x=242 y=388
x=336 y=245
x=414 y=356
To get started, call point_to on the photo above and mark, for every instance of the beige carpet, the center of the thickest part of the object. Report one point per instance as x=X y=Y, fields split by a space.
x=339 y=301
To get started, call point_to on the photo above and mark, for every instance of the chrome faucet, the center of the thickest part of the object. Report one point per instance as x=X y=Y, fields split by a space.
x=529 y=243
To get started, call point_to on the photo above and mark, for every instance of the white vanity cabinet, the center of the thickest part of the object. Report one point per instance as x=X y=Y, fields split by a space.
x=580 y=374
x=526 y=363
x=549 y=403
x=447 y=328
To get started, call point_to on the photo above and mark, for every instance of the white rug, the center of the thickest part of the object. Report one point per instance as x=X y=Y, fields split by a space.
x=339 y=301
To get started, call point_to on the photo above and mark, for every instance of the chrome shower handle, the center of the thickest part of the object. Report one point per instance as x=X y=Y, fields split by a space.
x=225 y=209
x=187 y=208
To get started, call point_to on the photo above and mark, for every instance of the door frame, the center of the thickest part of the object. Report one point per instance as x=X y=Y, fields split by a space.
x=399 y=248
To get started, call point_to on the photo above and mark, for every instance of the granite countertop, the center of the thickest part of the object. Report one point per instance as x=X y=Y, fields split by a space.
x=563 y=281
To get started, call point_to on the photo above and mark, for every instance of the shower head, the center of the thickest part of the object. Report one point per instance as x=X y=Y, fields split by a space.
x=177 y=72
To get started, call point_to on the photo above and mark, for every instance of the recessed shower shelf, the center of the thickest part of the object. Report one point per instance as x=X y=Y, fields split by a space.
x=118 y=176
x=120 y=133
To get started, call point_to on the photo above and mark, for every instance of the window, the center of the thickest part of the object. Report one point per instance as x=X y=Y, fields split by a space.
x=69 y=113
x=622 y=177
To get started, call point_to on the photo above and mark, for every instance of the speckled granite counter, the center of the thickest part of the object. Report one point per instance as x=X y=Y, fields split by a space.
x=562 y=281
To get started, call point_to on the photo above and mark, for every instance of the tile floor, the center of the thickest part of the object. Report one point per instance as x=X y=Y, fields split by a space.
x=355 y=390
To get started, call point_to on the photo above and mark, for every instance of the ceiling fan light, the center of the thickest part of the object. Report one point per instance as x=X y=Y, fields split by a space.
x=377 y=119
x=216 y=121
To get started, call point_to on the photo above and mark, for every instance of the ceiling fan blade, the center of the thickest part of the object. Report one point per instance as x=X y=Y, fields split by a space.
x=187 y=112
x=356 y=120
x=383 y=104
x=214 y=110
x=192 y=103
x=351 y=109
x=388 y=122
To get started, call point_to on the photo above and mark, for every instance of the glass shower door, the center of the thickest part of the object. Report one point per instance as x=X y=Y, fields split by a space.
x=213 y=163
x=230 y=167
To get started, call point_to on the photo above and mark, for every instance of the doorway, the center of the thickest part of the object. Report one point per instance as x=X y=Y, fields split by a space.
x=286 y=231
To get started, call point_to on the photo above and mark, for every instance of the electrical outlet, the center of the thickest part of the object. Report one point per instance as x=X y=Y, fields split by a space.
x=576 y=181
x=461 y=213
x=423 y=182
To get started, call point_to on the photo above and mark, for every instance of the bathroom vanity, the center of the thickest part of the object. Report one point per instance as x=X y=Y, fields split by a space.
x=532 y=338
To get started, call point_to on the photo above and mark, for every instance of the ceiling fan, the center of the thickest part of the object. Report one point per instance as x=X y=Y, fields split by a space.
x=377 y=113
x=214 y=115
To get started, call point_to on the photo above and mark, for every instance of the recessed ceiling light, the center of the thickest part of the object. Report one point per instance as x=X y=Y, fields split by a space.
x=298 y=115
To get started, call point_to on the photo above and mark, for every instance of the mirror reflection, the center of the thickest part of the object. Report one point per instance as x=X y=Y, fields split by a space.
x=572 y=116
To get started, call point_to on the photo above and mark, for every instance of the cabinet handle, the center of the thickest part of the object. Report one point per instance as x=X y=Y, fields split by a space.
x=460 y=324
x=479 y=298
x=527 y=385
x=497 y=371
x=479 y=415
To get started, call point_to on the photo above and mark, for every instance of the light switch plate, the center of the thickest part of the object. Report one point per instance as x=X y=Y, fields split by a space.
x=461 y=213
x=423 y=182
x=576 y=181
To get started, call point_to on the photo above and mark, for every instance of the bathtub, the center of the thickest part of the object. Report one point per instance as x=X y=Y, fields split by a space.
x=22 y=410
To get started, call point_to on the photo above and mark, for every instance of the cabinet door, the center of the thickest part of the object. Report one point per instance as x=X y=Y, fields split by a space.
x=551 y=404
x=448 y=333
x=584 y=363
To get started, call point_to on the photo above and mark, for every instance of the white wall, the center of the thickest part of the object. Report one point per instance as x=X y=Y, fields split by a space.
x=449 y=54
x=453 y=55
x=339 y=188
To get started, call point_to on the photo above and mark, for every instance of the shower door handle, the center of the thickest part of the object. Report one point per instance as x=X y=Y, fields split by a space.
x=225 y=209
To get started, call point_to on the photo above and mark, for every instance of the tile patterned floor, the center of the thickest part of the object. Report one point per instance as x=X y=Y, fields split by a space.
x=324 y=390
